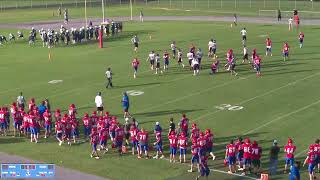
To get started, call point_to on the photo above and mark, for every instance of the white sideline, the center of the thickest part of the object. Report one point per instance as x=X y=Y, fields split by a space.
x=219 y=171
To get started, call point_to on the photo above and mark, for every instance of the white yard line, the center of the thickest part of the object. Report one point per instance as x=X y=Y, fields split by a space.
x=284 y=116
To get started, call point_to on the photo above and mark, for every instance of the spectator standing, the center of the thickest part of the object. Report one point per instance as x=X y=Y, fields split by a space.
x=99 y=103
x=21 y=101
x=274 y=152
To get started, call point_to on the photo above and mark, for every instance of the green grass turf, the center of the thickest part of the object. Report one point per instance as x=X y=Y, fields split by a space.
x=165 y=8
x=282 y=103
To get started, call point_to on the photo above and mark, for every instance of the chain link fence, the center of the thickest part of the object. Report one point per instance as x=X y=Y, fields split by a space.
x=307 y=8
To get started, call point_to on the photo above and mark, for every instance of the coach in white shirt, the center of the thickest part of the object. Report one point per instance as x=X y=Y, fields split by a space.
x=99 y=103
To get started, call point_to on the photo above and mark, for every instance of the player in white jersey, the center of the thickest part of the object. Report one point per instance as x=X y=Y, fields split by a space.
x=174 y=49
x=151 y=59
x=157 y=62
x=196 y=67
x=190 y=58
x=180 y=61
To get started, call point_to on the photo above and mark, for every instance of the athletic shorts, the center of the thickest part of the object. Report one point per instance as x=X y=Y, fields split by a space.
x=144 y=147
x=103 y=142
x=209 y=149
x=269 y=49
x=173 y=150
x=59 y=135
x=99 y=108
x=256 y=163
x=159 y=147
x=17 y=124
x=195 y=159
x=183 y=151
x=33 y=130
x=47 y=127
x=118 y=144
x=134 y=144
x=158 y=65
x=152 y=62
x=286 y=54
x=231 y=160
x=258 y=67
x=289 y=161
x=239 y=156
x=87 y=130
x=311 y=167
x=301 y=41
x=246 y=161
x=136 y=45
x=204 y=171
x=94 y=147
x=3 y=125
x=196 y=67
x=166 y=62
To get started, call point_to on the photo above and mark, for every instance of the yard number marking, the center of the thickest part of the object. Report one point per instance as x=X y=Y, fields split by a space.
x=229 y=107
x=135 y=93
x=55 y=81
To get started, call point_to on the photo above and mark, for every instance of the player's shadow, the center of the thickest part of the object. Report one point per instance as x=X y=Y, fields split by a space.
x=11 y=140
x=162 y=113
x=137 y=85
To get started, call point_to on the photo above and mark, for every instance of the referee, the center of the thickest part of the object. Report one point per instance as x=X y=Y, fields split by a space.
x=109 y=78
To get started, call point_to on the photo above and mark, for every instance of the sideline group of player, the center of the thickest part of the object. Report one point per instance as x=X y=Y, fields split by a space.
x=101 y=128
x=195 y=57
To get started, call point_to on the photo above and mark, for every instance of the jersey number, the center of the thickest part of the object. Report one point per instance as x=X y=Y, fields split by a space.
x=135 y=93
x=229 y=107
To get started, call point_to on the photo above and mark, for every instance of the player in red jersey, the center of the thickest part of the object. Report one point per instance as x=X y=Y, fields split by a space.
x=86 y=125
x=257 y=64
x=17 y=120
x=202 y=141
x=106 y=119
x=316 y=146
x=166 y=59
x=301 y=38
x=158 y=145
x=119 y=135
x=74 y=129
x=134 y=141
x=103 y=136
x=230 y=156
x=3 y=123
x=143 y=139
x=25 y=125
x=289 y=150
x=253 y=54
x=285 y=51
x=57 y=115
x=100 y=124
x=135 y=64
x=194 y=132
x=311 y=160
x=256 y=156
x=68 y=130
x=195 y=151
x=247 y=151
x=59 y=131
x=94 y=119
x=268 y=47
x=33 y=127
x=94 y=140
x=183 y=144
x=47 y=123
x=209 y=137
x=173 y=140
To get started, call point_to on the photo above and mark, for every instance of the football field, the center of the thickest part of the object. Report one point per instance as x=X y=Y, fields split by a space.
x=282 y=103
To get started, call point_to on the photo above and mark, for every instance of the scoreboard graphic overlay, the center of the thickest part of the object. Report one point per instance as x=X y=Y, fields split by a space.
x=27 y=171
